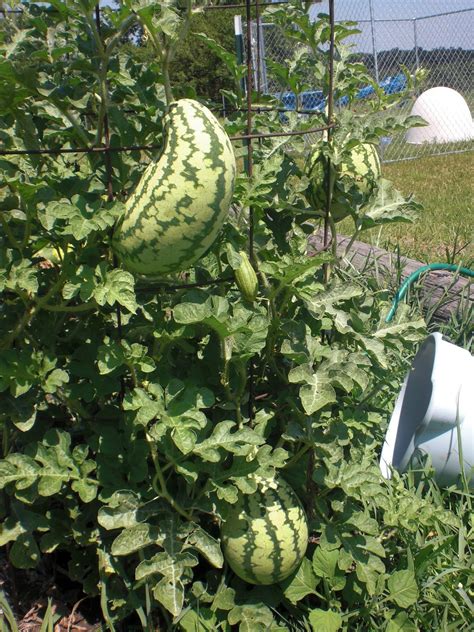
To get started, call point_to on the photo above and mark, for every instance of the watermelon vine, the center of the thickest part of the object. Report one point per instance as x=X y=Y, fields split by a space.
x=172 y=507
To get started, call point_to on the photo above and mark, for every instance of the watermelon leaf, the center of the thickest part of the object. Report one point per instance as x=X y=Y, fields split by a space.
x=301 y=584
x=325 y=620
x=402 y=587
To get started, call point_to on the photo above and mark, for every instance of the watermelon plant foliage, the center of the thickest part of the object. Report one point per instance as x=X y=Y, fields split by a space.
x=134 y=415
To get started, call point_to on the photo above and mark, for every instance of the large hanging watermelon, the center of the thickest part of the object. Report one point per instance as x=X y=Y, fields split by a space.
x=182 y=200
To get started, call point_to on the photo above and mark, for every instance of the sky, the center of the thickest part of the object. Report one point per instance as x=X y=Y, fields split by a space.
x=454 y=30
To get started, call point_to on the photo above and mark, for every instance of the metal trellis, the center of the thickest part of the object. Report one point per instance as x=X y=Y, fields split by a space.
x=440 y=44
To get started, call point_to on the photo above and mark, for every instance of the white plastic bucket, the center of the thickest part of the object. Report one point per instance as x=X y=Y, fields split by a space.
x=434 y=414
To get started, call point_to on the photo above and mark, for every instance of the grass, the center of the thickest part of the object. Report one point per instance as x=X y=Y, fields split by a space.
x=444 y=185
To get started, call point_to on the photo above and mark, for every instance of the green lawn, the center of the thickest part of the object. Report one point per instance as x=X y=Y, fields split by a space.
x=444 y=185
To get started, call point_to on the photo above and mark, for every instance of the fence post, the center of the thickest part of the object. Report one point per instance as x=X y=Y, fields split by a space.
x=415 y=38
x=374 y=44
x=239 y=45
x=262 y=60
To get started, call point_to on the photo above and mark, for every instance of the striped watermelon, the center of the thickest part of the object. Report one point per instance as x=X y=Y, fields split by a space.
x=182 y=200
x=361 y=170
x=265 y=534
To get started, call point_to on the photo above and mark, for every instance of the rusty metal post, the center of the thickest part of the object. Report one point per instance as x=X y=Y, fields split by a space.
x=110 y=197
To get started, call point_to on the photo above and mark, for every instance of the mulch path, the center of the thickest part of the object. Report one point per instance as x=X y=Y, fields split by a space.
x=71 y=619
x=28 y=594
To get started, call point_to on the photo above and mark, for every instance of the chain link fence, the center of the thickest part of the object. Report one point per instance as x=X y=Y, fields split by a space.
x=441 y=44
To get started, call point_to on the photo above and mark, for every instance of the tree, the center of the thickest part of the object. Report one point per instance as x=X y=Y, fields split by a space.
x=195 y=69
x=198 y=67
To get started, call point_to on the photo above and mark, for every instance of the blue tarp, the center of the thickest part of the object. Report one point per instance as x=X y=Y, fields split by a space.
x=314 y=100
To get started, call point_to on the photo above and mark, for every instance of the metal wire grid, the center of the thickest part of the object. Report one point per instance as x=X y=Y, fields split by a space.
x=385 y=45
x=248 y=138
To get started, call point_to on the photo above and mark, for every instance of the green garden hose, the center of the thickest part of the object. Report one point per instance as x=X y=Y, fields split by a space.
x=402 y=290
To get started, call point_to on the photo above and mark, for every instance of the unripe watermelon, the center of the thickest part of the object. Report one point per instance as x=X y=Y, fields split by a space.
x=182 y=200
x=265 y=534
x=53 y=255
x=362 y=171
x=246 y=278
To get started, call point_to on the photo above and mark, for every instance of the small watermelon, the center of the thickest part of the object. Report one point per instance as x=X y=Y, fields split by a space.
x=246 y=278
x=361 y=171
x=265 y=534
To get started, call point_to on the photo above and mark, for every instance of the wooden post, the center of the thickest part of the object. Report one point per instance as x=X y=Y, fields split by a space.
x=444 y=292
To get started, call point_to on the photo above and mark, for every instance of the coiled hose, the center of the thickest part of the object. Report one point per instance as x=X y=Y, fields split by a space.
x=402 y=290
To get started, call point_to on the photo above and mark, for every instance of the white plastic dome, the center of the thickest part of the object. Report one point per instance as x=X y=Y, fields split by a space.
x=447 y=114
